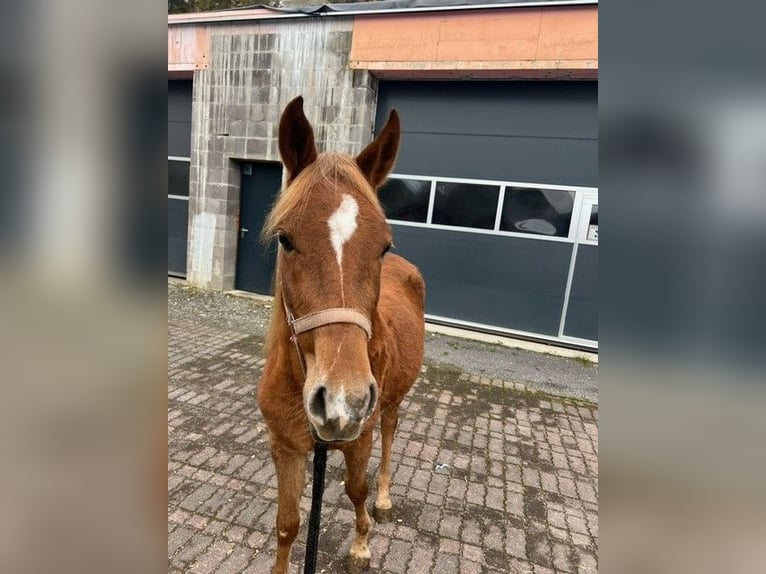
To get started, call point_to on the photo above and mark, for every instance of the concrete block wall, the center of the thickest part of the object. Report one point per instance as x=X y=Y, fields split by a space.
x=255 y=69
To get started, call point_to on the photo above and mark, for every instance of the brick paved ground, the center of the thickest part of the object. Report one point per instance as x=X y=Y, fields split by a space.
x=487 y=477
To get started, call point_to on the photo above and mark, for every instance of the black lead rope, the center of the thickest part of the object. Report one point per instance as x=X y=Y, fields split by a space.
x=320 y=465
x=317 y=490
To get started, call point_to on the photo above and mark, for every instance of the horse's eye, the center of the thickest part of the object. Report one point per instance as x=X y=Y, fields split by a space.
x=285 y=242
x=387 y=249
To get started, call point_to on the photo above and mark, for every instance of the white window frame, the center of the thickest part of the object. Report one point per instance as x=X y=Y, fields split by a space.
x=588 y=202
x=579 y=191
x=580 y=221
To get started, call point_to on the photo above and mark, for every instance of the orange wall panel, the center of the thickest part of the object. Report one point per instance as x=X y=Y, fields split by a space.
x=402 y=39
x=521 y=42
x=188 y=47
x=570 y=34
x=483 y=36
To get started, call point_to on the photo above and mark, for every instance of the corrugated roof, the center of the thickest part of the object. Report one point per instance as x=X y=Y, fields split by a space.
x=259 y=11
x=396 y=5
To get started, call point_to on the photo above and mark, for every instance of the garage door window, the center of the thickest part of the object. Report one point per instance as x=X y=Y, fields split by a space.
x=406 y=199
x=490 y=207
x=537 y=211
x=465 y=205
x=178 y=177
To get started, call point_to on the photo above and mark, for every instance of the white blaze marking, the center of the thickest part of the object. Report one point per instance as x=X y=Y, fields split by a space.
x=342 y=224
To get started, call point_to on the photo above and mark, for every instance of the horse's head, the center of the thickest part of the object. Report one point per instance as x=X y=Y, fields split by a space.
x=332 y=238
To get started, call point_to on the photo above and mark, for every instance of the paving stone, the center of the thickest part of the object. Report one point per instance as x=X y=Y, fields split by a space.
x=236 y=562
x=178 y=538
x=194 y=547
x=213 y=556
x=398 y=556
x=487 y=477
x=516 y=542
x=470 y=567
x=422 y=559
x=446 y=564
x=587 y=563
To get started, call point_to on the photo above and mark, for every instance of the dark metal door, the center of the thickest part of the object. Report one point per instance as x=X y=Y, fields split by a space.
x=261 y=182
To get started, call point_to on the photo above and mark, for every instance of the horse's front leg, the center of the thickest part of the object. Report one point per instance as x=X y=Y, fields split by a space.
x=383 y=511
x=291 y=474
x=357 y=457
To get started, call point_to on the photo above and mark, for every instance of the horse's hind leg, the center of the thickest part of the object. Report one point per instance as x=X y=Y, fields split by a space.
x=291 y=474
x=357 y=459
x=383 y=511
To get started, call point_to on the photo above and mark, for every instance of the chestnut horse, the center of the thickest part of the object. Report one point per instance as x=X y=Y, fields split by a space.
x=346 y=336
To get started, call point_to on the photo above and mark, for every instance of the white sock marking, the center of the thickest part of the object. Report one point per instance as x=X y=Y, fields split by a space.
x=342 y=224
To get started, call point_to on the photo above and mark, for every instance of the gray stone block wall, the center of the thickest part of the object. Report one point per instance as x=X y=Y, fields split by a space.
x=255 y=69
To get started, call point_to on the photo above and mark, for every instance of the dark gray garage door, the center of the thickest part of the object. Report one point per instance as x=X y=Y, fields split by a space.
x=489 y=198
x=179 y=152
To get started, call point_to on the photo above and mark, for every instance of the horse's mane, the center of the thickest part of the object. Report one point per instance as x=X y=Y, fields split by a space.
x=278 y=318
x=329 y=170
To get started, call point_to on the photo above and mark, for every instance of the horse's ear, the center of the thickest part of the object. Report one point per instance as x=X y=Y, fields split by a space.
x=296 y=139
x=377 y=159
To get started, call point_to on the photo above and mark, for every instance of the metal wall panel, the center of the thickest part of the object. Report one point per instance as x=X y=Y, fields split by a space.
x=513 y=159
x=544 y=132
x=582 y=311
x=502 y=281
x=531 y=132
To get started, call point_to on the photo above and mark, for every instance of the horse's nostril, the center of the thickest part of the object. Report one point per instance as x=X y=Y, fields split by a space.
x=373 y=398
x=318 y=404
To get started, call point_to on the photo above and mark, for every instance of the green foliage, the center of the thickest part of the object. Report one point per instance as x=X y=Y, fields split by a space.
x=182 y=6
x=584 y=361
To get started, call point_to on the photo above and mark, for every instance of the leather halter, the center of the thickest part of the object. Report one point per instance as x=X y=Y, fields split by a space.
x=332 y=316
x=329 y=317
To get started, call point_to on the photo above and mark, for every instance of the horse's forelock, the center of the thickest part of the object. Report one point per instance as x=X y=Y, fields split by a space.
x=333 y=171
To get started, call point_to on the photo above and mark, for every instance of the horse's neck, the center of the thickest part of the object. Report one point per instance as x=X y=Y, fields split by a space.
x=378 y=347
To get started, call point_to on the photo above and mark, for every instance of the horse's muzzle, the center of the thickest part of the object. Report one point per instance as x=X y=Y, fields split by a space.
x=338 y=415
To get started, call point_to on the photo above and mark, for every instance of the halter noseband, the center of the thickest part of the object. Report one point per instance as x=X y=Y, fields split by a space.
x=321 y=318
x=328 y=317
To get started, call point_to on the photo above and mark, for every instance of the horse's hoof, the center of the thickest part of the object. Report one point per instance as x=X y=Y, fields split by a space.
x=356 y=565
x=382 y=515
